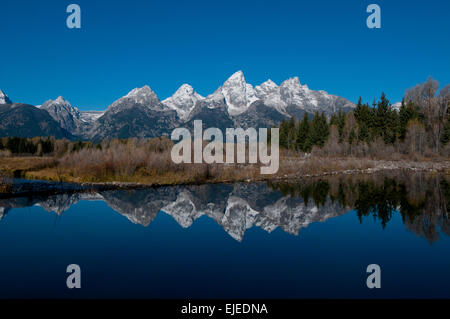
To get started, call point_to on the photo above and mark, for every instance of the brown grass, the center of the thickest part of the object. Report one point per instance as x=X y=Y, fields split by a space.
x=149 y=162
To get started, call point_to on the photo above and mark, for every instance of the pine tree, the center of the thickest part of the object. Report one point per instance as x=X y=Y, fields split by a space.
x=303 y=140
x=46 y=145
x=12 y=144
x=314 y=136
x=284 y=134
x=358 y=110
x=363 y=133
x=365 y=117
x=392 y=124
x=352 y=136
x=292 y=134
x=381 y=118
x=324 y=129
x=319 y=130
x=338 y=119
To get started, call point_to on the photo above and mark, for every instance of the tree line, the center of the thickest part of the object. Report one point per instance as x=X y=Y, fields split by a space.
x=49 y=146
x=420 y=125
x=41 y=146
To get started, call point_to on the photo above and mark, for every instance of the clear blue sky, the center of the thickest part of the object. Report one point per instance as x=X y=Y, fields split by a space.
x=127 y=44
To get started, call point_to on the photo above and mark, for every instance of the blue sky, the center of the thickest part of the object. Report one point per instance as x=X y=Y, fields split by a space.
x=127 y=44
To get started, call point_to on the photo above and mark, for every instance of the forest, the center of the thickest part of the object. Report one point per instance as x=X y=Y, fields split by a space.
x=420 y=126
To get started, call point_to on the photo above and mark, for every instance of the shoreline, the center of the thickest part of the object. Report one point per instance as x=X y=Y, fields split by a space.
x=27 y=185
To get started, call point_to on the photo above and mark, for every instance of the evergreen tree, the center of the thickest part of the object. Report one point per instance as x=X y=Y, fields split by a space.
x=20 y=145
x=392 y=124
x=363 y=134
x=12 y=144
x=358 y=110
x=341 y=125
x=338 y=119
x=365 y=117
x=334 y=119
x=292 y=134
x=284 y=134
x=303 y=140
x=352 y=136
x=46 y=145
x=325 y=128
x=314 y=136
x=319 y=130
x=381 y=117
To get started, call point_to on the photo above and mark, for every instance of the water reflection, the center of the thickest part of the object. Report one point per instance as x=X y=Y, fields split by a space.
x=422 y=200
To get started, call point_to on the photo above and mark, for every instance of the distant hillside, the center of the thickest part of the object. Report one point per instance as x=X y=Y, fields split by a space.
x=27 y=121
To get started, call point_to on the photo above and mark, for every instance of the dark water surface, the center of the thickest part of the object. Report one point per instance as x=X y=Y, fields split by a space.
x=309 y=239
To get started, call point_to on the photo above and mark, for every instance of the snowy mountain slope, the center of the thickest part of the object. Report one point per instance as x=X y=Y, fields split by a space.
x=183 y=100
x=236 y=103
x=4 y=99
x=64 y=113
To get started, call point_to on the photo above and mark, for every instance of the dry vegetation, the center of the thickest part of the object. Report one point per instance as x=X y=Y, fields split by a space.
x=148 y=161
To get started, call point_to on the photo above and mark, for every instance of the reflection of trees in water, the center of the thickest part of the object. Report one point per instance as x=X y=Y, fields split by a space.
x=316 y=191
x=423 y=200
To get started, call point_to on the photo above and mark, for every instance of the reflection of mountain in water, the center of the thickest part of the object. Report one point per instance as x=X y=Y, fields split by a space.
x=235 y=207
x=3 y=211
x=422 y=201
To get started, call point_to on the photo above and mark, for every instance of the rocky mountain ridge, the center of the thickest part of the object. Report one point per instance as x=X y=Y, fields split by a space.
x=236 y=103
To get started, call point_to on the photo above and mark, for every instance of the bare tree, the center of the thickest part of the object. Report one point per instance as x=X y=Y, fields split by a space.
x=443 y=107
x=433 y=107
x=415 y=138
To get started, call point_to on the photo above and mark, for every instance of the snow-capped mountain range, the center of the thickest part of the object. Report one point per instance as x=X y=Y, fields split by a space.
x=140 y=113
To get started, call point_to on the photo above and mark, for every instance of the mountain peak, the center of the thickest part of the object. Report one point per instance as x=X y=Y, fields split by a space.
x=145 y=90
x=4 y=99
x=59 y=103
x=238 y=94
x=292 y=82
x=238 y=75
x=60 y=100
x=184 y=89
x=142 y=96
x=63 y=112
x=266 y=87
x=183 y=100
x=269 y=84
